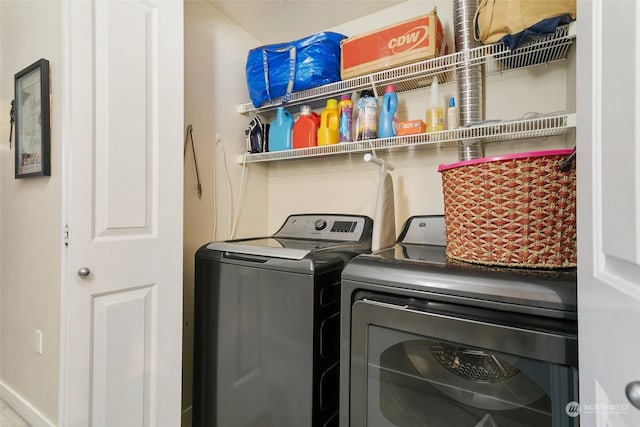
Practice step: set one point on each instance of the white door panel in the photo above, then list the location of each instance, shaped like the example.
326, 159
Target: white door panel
608, 210
124, 102
131, 314
617, 153
126, 137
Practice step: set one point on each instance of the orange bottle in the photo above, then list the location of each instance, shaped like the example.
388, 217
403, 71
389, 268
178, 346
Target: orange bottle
329, 124
305, 129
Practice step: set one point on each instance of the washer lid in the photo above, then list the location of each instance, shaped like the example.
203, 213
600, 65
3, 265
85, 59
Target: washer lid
271, 247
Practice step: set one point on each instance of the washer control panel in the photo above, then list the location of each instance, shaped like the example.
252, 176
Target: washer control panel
323, 227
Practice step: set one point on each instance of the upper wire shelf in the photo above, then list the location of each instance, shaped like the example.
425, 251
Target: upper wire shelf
497, 58
540, 127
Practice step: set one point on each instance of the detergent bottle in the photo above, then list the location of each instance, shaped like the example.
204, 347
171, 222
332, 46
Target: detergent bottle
388, 123
345, 106
435, 113
367, 122
280, 131
305, 129
329, 124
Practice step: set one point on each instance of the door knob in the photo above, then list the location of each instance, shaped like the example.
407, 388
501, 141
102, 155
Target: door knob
84, 272
633, 393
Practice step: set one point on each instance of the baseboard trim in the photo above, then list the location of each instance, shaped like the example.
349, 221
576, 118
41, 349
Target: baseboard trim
23, 408
187, 417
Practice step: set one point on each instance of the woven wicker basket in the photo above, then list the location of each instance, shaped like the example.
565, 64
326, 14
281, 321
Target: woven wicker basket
517, 210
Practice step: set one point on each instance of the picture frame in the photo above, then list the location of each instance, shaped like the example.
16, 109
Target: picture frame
32, 121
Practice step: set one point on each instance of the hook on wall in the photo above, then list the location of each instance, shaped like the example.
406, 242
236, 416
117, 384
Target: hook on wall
188, 136
369, 157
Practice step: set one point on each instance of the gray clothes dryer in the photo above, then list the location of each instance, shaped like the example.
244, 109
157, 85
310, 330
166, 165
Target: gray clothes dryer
431, 342
267, 323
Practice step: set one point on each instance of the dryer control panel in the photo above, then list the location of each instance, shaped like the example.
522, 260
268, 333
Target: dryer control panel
424, 230
331, 227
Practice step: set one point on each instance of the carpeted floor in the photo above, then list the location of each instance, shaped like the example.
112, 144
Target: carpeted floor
8, 418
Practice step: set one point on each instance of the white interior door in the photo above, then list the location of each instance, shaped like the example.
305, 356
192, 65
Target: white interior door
122, 304
608, 112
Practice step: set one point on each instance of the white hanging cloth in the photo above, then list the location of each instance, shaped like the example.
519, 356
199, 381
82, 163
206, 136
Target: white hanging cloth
384, 220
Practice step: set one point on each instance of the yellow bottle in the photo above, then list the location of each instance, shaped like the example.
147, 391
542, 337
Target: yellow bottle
329, 124
435, 112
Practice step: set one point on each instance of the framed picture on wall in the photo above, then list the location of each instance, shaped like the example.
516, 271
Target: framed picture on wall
33, 129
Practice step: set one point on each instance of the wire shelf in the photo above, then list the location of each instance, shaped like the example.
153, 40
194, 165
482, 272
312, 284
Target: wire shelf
540, 127
497, 58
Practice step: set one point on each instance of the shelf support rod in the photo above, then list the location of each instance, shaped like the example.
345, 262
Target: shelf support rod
373, 87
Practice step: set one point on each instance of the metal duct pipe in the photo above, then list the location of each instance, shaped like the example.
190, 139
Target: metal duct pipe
463, 13
469, 77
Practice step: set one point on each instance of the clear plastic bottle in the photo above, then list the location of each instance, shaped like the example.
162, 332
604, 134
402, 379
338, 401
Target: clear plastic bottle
435, 113
367, 116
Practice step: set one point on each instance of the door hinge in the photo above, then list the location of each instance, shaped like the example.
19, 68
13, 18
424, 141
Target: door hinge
65, 235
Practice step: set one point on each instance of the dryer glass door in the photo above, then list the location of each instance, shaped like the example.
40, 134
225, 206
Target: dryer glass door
411, 367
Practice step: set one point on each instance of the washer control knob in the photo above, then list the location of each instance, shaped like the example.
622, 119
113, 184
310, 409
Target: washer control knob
320, 224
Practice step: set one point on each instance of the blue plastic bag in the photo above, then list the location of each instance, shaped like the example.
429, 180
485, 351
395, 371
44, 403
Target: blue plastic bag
277, 70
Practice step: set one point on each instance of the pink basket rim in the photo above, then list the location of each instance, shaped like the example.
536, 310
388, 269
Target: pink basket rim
561, 152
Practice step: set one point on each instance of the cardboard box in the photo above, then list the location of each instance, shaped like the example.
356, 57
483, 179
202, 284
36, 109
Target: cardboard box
411, 127
409, 41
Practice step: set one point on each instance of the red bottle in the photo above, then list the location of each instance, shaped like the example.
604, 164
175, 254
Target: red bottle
305, 129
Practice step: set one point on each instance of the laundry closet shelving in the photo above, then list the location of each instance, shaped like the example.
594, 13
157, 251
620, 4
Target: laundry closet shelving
496, 59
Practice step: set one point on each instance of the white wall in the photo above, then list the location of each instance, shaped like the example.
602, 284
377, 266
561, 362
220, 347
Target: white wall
347, 184
29, 221
215, 52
